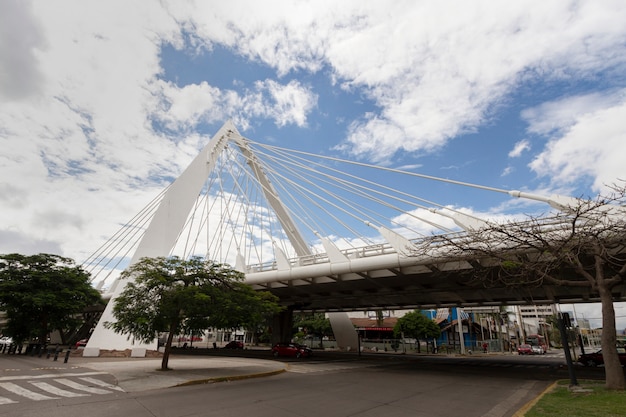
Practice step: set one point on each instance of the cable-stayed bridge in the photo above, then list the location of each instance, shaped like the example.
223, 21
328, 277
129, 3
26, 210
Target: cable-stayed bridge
321, 233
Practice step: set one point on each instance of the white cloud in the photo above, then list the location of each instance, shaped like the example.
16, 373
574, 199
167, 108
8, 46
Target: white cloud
84, 128
433, 74
285, 35
554, 116
12, 241
436, 77
590, 146
87, 84
507, 171
185, 107
288, 103
77, 114
20, 42
519, 148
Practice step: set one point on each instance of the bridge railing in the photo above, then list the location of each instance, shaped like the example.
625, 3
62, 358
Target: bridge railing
441, 241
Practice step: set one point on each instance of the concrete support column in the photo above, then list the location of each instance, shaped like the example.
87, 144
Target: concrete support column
282, 326
345, 334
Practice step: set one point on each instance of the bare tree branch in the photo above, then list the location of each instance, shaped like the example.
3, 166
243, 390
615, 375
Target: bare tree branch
583, 246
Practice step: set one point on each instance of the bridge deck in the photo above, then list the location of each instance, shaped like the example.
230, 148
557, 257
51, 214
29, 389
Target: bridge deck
377, 277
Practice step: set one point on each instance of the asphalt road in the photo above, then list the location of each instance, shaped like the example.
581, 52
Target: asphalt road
331, 385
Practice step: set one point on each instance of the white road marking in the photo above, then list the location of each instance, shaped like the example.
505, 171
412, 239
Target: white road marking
18, 377
75, 388
81, 387
5, 400
102, 383
16, 389
310, 367
44, 386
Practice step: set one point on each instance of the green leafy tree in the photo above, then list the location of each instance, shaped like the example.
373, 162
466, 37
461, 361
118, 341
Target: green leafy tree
173, 295
416, 325
42, 293
315, 324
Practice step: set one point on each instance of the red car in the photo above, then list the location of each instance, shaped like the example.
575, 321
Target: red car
291, 349
235, 344
525, 350
596, 359
190, 339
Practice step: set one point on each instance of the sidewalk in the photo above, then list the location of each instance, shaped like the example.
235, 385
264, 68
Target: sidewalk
140, 374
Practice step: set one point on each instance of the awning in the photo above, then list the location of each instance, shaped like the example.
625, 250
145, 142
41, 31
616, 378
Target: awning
378, 329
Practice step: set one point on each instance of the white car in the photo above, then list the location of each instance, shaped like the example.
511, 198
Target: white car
538, 350
6, 341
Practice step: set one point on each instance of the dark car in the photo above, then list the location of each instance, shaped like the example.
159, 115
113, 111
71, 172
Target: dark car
596, 359
291, 349
235, 344
525, 350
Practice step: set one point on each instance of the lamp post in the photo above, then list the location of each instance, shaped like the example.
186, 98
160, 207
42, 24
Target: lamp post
460, 324
563, 321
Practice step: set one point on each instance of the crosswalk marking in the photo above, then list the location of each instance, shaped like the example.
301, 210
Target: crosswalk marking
16, 389
5, 400
44, 386
80, 387
44, 376
101, 383
55, 388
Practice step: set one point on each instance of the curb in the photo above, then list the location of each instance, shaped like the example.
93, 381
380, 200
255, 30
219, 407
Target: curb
522, 411
228, 378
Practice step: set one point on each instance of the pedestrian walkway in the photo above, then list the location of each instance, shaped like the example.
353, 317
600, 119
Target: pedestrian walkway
26, 378
140, 374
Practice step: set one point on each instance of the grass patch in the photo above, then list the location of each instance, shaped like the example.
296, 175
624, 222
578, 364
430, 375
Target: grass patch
594, 401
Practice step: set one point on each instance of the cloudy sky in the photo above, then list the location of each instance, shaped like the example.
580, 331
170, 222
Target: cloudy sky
104, 103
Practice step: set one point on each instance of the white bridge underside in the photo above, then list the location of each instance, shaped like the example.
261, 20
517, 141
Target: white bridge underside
394, 282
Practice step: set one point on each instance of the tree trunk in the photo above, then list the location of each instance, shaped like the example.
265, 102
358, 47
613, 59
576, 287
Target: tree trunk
43, 331
168, 346
614, 373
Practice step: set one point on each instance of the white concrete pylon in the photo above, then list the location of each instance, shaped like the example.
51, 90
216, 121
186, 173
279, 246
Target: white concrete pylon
161, 235
282, 262
402, 245
332, 251
240, 263
169, 219
464, 221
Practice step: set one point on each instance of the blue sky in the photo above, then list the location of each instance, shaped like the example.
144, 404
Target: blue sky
100, 106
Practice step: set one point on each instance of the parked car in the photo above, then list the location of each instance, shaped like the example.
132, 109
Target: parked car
291, 349
537, 350
6, 341
189, 339
81, 343
596, 359
235, 344
525, 349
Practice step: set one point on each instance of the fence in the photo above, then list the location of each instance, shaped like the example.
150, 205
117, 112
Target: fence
36, 350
